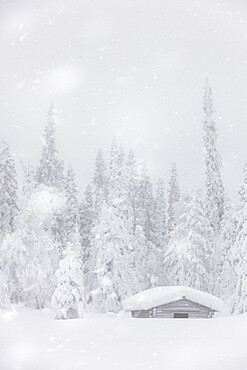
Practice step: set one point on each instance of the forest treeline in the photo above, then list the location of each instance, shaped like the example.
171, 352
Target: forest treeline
123, 235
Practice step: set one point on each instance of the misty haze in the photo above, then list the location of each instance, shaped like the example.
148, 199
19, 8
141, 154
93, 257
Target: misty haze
123, 185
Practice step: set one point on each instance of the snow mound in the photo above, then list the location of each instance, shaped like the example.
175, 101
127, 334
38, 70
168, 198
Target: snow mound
162, 295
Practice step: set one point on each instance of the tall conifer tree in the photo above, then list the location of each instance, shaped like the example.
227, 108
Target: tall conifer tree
188, 255
131, 180
160, 227
225, 279
113, 276
72, 209
240, 250
214, 185
145, 219
29, 182
100, 181
88, 219
145, 203
8, 191
173, 198
50, 170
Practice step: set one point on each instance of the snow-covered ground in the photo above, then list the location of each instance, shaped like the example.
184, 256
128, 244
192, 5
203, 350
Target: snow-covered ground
33, 340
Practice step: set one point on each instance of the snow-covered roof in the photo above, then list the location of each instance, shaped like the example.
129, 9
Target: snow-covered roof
162, 295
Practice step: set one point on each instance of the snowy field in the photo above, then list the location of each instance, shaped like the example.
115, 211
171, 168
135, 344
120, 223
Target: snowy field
31, 340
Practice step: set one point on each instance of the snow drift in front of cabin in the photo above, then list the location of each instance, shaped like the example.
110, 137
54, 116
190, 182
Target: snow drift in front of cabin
31, 339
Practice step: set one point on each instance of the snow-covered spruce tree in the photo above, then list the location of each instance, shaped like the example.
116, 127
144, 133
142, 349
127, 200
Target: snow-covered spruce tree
160, 214
8, 192
29, 255
145, 203
4, 292
87, 216
139, 261
50, 173
68, 297
116, 163
187, 258
118, 191
131, 180
50, 170
87, 219
100, 181
29, 181
140, 217
114, 277
119, 203
72, 208
214, 201
153, 265
240, 305
123, 188
58, 226
225, 283
113, 198
240, 250
160, 227
145, 219
173, 198
66, 219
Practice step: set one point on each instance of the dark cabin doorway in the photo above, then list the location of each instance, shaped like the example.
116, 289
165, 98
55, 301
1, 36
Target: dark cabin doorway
181, 315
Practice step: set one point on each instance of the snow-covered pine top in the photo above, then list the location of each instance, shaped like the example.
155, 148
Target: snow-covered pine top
163, 295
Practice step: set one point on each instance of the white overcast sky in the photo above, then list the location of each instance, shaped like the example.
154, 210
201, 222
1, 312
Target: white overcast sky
131, 69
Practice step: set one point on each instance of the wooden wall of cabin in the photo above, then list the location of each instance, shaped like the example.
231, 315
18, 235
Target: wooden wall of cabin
193, 309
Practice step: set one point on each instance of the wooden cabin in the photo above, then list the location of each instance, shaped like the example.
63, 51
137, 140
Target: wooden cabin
173, 302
